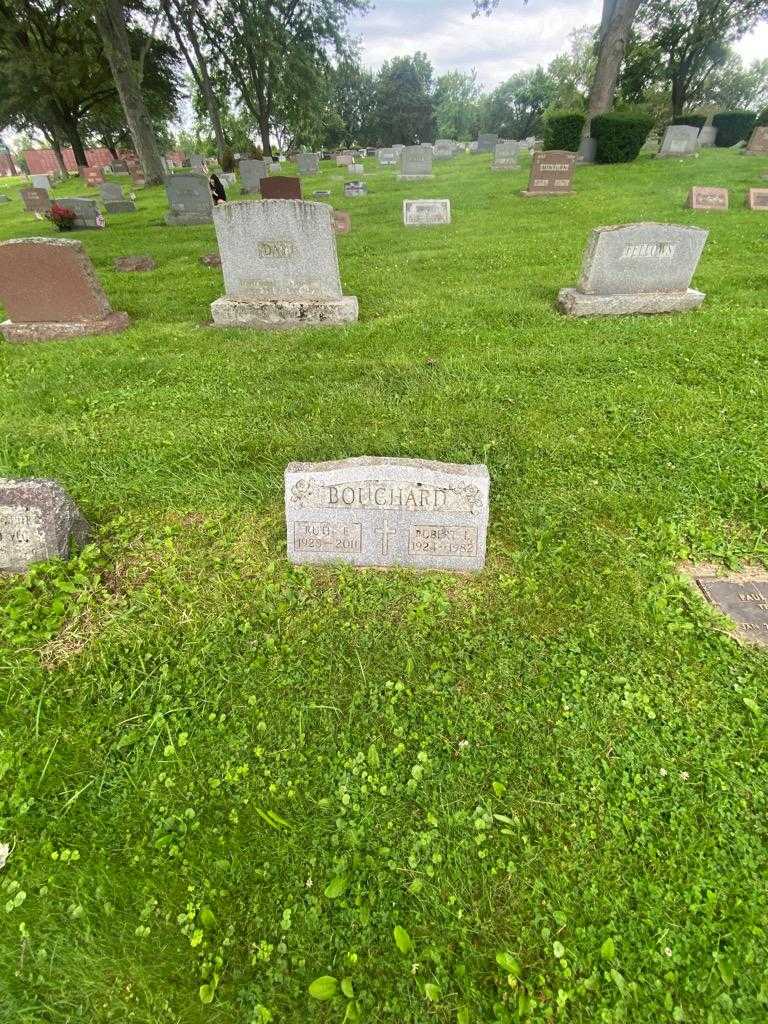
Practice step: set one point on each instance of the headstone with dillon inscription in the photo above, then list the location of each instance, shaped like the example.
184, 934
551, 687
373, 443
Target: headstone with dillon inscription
415, 163
704, 197
423, 212
758, 142
679, 140
189, 199
251, 174
757, 199
49, 290
280, 266
637, 268
387, 512
551, 173
38, 521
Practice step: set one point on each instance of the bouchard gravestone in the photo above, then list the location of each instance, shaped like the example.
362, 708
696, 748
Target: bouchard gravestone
423, 212
551, 173
387, 512
38, 521
280, 266
637, 268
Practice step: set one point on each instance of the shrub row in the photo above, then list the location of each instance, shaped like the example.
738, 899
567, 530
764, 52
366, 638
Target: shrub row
562, 129
733, 126
620, 136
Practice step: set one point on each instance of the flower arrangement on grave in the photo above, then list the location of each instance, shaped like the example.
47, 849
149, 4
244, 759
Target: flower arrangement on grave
61, 216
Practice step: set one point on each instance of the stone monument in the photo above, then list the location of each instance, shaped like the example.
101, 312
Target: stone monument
251, 174
415, 163
36, 200
679, 140
423, 212
505, 157
551, 173
38, 521
308, 163
702, 197
86, 211
758, 142
114, 200
281, 187
189, 199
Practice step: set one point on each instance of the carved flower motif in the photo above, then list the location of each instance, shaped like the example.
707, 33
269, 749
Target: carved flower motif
300, 491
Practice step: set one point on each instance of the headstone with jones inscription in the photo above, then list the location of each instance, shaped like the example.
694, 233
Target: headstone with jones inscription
637, 268
704, 197
38, 521
49, 290
424, 212
387, 512
189, 199
551, 173
280, 266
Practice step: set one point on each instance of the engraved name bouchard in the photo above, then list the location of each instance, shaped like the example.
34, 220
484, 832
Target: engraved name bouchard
386, 494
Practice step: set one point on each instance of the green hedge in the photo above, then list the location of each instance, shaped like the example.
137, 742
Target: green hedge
695, 120
562, 129
733, 126
620, 137
762, 118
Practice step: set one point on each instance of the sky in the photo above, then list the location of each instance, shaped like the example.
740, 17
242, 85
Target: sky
516, 37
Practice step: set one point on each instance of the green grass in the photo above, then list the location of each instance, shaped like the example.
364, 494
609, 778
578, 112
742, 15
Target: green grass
552, 776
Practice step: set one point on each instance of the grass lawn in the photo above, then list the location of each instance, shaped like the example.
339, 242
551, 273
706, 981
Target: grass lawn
539, 793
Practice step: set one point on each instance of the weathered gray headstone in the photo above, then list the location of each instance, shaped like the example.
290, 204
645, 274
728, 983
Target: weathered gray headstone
308, 163
38, 521
114, 200
423, 212
415, 163
355, 189
505, 157
551, 173
702, 197
587, 151
197, 163
444, 149
758, 142
486, 143
251, 173
757, 199
744, 599
40, 181
386, 157
707, 135
387, 512
342, 222
49, 290
344, 159
36, 200
679, 140
189, 199
637, 268
87, 214
280, 266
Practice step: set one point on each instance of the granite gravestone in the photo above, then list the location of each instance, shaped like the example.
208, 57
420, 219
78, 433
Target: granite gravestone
387, 512
342, 222
757, 199
355, 189
114, 200
49, 290
551, 173
587, 151
702, 197
273, 167
280, 266
637, 268
86, 212
357, 169
40, 181
679, 140
251, 174
707, 136
444, 149
93, 176
505, 157
281, 187
758, 142
189, 199
486, 143
415, 163
137, 176
386, 157
743, 599
36, 200
38, 521
308, 163
344, 159
197, 163
423, 212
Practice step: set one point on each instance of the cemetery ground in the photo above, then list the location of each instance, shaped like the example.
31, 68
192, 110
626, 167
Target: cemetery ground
537, 793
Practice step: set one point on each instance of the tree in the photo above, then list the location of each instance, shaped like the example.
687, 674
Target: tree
572, 72
111, 23
516, 108
404, 110
690, 40
457, 105
351, 95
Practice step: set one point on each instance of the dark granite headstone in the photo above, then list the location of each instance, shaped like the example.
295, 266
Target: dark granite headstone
745, 601
280, 186
551, 173
36, 200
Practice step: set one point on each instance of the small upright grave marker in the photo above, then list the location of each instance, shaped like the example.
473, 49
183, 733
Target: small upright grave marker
40, 181
189, 199
505, 157
386, 157
423, 212
49, 290
551, 173
486, 143
114, 200
86, 212
707, 136
415, 163
342, 222
758, 142
355, 189
308, 163
702, 197
637, 268
387, 512
93, 176
281, 187
36, 200
251, 174
679, 140
38, 521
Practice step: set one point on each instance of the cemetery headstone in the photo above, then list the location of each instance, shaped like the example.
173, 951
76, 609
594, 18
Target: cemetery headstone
551, 173
707, 135
743, 598
49, 289
487, 143
197, 163
86, 212
587, 151
189, 199
342, 222
36, 200
702, 197
356, 169
280, 266
758, 142
251, 174
114, 200
387, 512
119, 167
273, 167
281, 187
134, 264
679, 140
444, 149
757, 199
386, 157
40, 181
38, 521
424, 212
415, 163
344, 159
355, 189
308, 163
637, 268
93, 176
137, 176
398, 148
505, 157
228, 178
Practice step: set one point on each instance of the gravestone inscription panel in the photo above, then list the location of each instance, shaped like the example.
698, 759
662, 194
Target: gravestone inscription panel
704, 197
757, 199
423, 212
38, 521
551, 173
744, 600
189, 199
387, 512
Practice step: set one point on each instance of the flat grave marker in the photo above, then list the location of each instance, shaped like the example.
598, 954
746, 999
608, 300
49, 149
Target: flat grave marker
757, 199
704, 197
425, 212
38, 521
742, 597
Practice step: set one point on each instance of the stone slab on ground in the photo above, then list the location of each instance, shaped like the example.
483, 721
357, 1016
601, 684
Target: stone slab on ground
38, 521
705, 197
388, 512
757, 199
134, 264
741, 596
423, 212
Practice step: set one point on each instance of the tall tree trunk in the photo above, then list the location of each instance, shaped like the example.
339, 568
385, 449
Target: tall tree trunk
110, 20
266, 145
51, 136
615, 27
71, 132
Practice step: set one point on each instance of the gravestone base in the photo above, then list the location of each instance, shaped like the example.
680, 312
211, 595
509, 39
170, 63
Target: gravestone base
505, 167
120, 206
572, 302
52, 331
546, 195
280, 315
175, 220
414, 177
